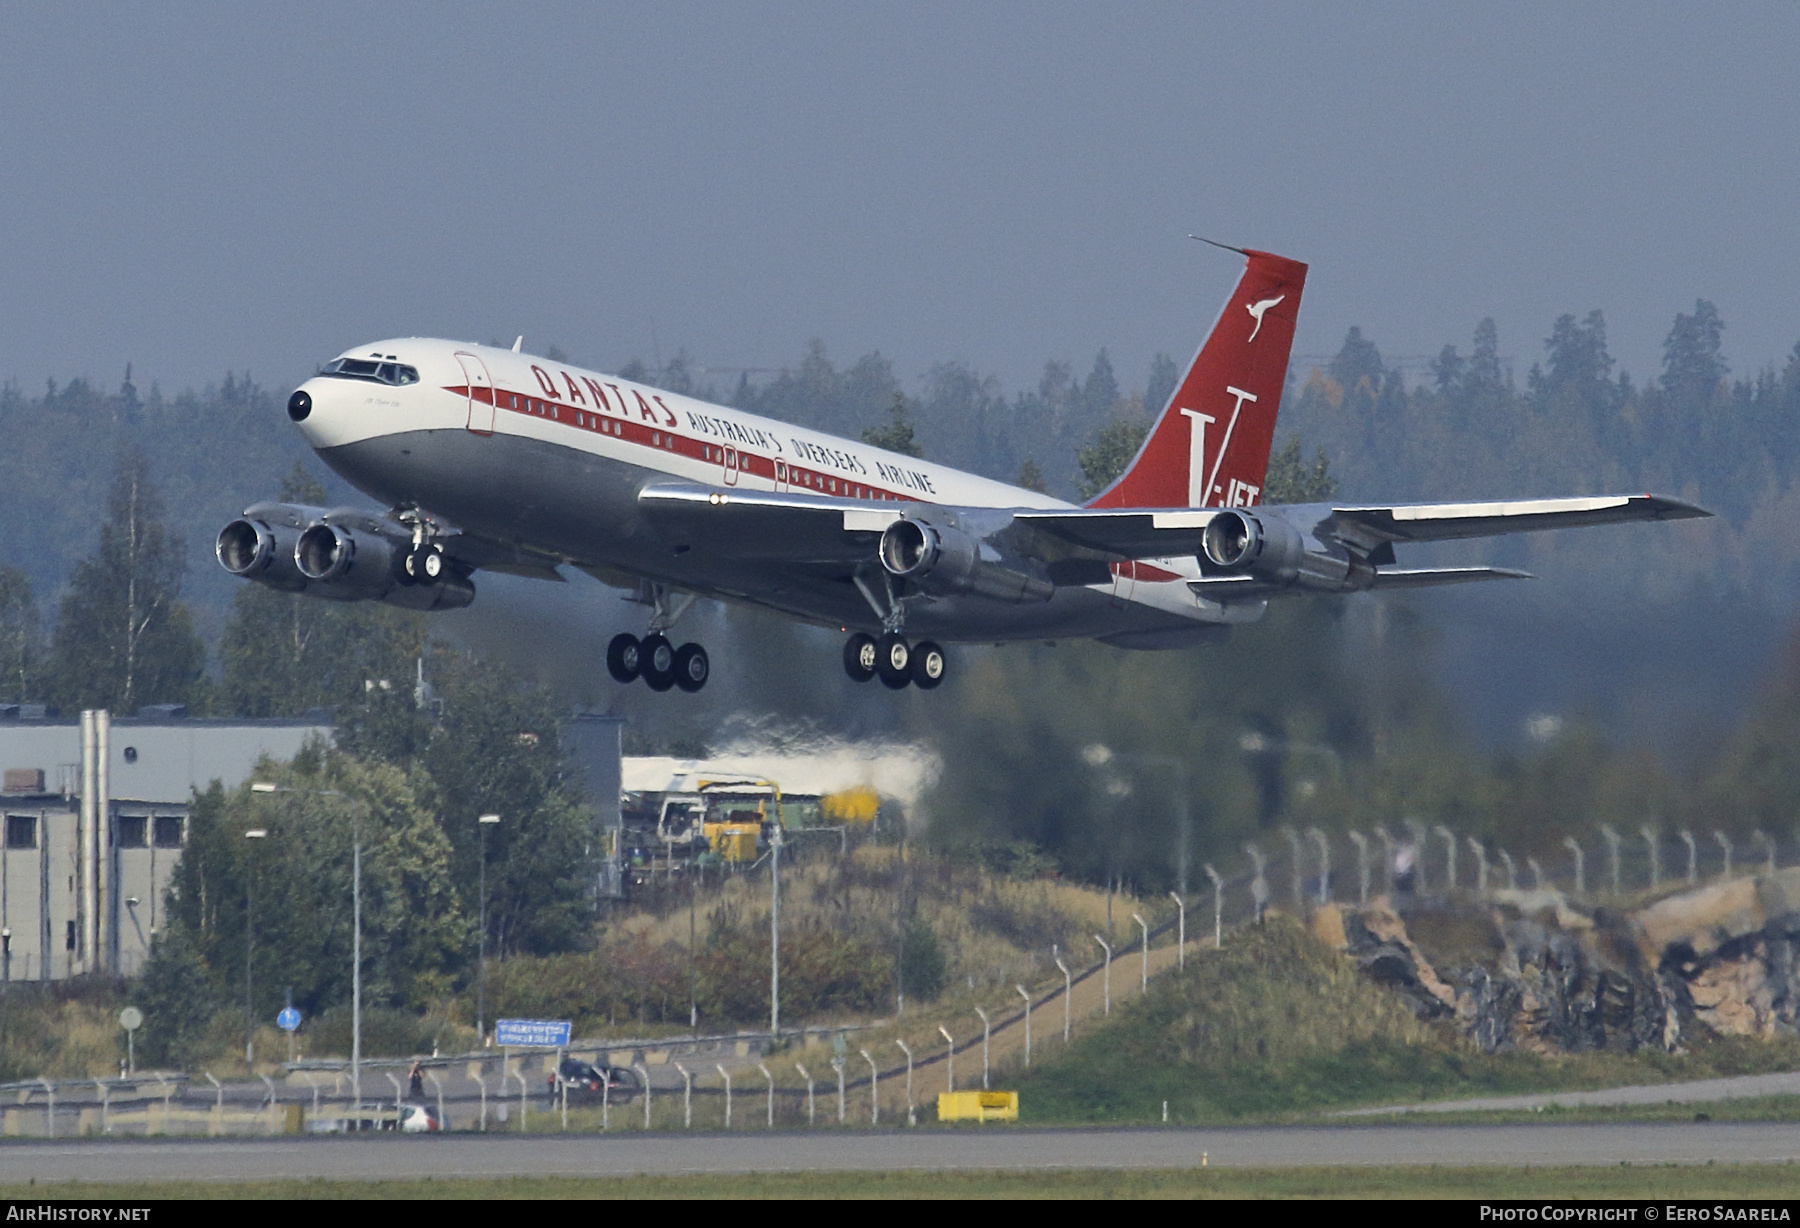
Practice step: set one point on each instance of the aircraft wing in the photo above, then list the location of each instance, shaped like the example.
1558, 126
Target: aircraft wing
791, 527
1430, 522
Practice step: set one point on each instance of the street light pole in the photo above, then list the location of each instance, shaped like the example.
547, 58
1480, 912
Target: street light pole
255, 833
482, 824
775, 934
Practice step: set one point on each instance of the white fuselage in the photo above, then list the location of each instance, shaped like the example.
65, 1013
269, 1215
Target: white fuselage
544, 454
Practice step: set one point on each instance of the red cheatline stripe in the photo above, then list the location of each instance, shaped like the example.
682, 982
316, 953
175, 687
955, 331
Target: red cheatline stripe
655, 435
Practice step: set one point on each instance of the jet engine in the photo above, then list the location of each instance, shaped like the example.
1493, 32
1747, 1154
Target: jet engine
947, 559
255, 549
1266, 546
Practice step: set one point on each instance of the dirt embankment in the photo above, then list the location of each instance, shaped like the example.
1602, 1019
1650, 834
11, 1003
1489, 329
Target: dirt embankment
1536, 971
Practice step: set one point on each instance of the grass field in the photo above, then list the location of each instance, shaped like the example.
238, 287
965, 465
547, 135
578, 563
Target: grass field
1635, 1181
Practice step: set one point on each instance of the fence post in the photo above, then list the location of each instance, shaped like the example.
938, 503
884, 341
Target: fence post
687, 1097
1319, 838
1293, 839
1387, 856
1068, 992
874, 1089
1027, 998
1724, 843
986, 1031
837, 1064
950, 1060
1449, 854
1537, 873
50, 1107
1480, 851
726, 1075
1362, 865
437, 1086
1180, 939
1687, 838
1218, 906
1512, 876
810, 1118
644, 1074
1653, 844
1106, 976
771, 1078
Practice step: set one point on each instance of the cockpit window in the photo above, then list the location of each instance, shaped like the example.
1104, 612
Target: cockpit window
367, 368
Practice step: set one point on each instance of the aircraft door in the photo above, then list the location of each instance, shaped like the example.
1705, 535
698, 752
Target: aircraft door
731, 466
781, 474
481, 393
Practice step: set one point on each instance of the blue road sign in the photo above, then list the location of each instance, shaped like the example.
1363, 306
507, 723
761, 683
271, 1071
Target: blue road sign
288, 1019
549, 1033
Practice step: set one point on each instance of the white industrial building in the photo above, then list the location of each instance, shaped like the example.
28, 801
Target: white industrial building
95, 818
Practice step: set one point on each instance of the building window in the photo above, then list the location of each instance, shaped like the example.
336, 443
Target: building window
69, 937
21, 831
168, 831
134, 831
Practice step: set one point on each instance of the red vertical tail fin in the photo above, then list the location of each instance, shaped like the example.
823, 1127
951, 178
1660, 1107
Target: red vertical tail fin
1210, 446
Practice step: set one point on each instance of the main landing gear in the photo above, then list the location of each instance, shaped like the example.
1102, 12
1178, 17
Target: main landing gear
658, 662
894, 661
654, 659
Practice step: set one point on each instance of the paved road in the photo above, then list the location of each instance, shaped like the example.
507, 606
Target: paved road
1695, 1091
496, 1155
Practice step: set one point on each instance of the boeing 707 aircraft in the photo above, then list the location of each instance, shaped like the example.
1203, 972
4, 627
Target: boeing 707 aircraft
492, 459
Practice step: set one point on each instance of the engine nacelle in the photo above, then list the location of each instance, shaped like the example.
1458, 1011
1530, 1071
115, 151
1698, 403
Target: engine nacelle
355, 564
945, 559
1267, 547
255, 549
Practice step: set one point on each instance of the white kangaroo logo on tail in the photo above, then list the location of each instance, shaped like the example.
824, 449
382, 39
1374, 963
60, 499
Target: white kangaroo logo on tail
1256, 312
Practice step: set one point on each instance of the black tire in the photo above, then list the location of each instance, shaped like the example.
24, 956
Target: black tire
692, 667
624, 657
657, 664
892, 657
402, 568
928, 665
859, 657
425, 564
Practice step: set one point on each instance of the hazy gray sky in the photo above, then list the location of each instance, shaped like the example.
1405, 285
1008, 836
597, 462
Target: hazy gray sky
200, 187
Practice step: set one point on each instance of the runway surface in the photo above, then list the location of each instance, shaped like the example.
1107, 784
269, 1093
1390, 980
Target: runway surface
621, 1155
1694, 1091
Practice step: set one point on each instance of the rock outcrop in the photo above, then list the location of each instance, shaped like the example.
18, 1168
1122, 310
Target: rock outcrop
1535, 970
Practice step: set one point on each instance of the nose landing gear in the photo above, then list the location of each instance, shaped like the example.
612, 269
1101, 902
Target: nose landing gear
897, 663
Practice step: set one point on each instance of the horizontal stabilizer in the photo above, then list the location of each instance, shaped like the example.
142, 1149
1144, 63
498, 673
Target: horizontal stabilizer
1425, 577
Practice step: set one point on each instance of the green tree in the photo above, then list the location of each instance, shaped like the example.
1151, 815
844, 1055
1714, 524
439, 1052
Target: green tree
298, 881
1111, 449
123, 637
897, 434
497, 750
20, 638
1164, 377
1031, 477
922, 962
1692, 363
178, 998
1291, 480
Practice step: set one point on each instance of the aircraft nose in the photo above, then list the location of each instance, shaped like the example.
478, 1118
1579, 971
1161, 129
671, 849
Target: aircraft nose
300, 405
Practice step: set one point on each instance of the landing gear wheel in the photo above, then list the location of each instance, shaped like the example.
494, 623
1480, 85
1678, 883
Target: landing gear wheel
892, 656
657, 664
624, 657
692, 668
928, 665
859, 657
425, 564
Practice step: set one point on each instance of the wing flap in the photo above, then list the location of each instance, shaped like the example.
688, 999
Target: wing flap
1426, 577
